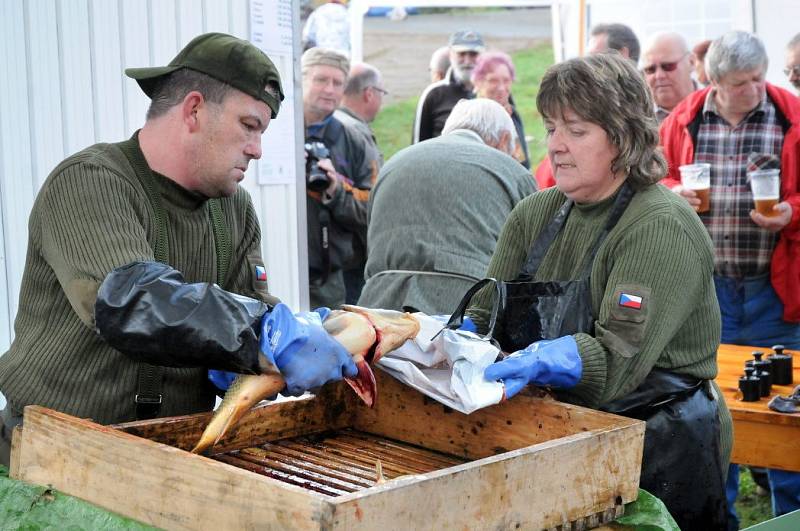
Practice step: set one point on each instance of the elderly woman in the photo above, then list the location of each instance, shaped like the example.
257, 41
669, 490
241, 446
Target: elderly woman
492, 78
609, 292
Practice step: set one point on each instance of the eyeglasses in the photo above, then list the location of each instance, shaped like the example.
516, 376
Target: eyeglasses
793, 70
382, 91
666, 67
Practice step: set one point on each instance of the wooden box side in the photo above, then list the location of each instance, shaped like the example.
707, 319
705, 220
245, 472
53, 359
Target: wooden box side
405, 414
154, 483
328, 410
547, 485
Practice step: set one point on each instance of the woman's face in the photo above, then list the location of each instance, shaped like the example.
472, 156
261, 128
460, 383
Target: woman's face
581, 155
495, 85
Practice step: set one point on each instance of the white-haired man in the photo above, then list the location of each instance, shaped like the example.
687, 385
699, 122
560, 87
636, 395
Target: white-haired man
428, 242
438, 99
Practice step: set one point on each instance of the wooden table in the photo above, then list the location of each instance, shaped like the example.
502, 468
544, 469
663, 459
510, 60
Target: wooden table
761, 437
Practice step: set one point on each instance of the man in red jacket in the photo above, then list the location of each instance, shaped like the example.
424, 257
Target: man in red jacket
742, 121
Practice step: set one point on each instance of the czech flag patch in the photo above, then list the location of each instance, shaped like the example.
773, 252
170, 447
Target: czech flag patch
626, 300
261, 273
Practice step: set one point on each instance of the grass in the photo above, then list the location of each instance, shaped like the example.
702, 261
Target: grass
394, 123
751, 508
393, 131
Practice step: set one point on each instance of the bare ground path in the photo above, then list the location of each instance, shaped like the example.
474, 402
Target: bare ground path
401, 49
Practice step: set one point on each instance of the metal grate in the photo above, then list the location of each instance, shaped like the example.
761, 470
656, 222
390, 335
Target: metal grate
339, 462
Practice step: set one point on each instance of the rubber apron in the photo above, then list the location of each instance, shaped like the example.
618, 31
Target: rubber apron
681, 463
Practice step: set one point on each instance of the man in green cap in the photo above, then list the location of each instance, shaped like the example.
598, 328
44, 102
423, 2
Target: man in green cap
144, 269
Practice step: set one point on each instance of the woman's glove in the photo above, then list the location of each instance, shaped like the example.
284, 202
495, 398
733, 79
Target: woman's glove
553, 362
303, 351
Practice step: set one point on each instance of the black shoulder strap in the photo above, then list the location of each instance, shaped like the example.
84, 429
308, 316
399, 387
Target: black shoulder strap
148, 397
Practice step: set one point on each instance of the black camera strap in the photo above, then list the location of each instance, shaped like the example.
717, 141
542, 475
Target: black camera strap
325, 244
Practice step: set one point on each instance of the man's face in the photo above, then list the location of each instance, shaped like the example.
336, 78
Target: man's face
740, 92
229, 137
375, 101
463, 63
323, 88
668, 69
793, 66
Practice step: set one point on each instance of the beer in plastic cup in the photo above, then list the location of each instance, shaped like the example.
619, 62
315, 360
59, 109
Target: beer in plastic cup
765, 185
697, 177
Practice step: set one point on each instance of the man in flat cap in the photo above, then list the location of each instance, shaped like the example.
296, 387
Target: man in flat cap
439, 98
144, 268
336, 206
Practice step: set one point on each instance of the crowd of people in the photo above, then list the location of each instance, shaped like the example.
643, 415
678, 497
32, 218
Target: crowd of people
619, 288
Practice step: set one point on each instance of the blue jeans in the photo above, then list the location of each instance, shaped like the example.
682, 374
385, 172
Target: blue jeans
752, 314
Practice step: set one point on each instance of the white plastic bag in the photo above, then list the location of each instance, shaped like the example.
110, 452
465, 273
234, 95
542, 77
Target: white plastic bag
446, 366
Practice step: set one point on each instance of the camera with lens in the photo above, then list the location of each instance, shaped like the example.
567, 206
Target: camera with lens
317, 179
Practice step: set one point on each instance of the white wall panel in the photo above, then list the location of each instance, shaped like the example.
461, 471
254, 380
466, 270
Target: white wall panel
46, 125
76, 74
16, 172
63, 88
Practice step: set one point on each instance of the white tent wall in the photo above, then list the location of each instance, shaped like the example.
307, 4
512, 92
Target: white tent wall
63, 89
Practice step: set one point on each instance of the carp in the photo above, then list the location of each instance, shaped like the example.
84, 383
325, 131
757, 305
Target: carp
366, 334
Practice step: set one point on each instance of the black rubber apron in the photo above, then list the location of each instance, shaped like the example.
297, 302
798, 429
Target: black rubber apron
681, 464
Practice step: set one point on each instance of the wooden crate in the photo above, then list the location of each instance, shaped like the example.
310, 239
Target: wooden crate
530, 463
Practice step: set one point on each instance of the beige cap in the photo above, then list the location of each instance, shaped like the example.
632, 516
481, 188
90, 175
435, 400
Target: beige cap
325, 56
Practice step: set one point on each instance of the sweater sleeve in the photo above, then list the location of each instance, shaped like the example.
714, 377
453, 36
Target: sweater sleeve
658, 308
92, 222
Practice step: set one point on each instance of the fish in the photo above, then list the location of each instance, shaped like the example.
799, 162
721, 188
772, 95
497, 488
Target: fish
366, 334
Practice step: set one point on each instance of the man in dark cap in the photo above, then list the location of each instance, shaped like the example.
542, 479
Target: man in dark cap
144, 268
439, 98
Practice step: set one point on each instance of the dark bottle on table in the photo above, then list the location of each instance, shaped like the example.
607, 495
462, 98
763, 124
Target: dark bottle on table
782, 366
763, 368
750, 385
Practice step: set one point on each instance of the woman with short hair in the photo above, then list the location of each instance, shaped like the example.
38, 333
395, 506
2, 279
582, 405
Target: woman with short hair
492, 78
609, 293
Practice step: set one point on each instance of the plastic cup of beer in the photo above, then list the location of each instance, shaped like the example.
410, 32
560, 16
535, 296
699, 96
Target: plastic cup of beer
765, 185
697, 177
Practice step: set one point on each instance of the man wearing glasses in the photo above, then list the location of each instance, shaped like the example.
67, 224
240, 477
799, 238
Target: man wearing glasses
792, 69
667, 65
363, 97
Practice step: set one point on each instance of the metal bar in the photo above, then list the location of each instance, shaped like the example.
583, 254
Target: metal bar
302, 470
350, 480
343, 468
288, 478
445, 459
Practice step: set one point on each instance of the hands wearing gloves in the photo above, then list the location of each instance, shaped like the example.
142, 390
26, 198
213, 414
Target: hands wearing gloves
553, 362
305, 354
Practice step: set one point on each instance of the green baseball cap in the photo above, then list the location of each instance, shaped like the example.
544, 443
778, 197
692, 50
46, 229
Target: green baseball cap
225, 58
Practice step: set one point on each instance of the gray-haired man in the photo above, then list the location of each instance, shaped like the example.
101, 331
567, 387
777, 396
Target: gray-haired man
438, 208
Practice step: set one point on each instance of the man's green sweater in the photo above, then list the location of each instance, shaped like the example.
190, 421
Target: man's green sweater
659, 251
91, 216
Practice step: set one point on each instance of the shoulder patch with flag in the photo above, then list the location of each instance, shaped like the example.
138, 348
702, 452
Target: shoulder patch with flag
628, 300
261, 273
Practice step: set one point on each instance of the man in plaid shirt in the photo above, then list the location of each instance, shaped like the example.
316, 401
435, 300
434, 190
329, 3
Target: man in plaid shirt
740, 120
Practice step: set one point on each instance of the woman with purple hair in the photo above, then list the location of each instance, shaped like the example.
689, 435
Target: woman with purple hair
492, 78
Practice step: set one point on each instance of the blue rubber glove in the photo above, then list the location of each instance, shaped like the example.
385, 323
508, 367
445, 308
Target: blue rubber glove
553, 362
223, 379
468, 325
303, 351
